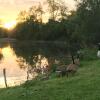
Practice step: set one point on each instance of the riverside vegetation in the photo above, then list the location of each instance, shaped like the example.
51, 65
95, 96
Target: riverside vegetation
79, 27
84, 85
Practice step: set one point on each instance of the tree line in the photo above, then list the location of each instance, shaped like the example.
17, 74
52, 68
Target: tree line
78, 26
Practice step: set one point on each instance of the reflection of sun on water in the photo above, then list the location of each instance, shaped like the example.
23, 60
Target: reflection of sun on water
15, 75
7, 52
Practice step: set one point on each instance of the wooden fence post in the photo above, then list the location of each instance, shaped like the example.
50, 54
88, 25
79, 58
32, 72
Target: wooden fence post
27, 75
5, 80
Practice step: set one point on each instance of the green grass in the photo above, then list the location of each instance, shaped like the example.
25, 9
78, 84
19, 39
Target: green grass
84, 85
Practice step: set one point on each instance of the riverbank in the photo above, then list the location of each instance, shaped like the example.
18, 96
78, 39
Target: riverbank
84, 85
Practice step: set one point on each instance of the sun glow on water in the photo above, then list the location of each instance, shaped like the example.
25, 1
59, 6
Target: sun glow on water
15, 75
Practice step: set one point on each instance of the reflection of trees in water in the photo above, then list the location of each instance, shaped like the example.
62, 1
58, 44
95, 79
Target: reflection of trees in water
32, 56
26, 66
46, 49
1, 56
40, 65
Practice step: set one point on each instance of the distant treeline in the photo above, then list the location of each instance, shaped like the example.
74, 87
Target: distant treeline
79, 26
3, 32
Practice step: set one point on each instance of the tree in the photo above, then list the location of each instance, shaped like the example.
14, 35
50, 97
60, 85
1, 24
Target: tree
53, 9
88, 12
35, 13
22, 16
63, 10
40, 13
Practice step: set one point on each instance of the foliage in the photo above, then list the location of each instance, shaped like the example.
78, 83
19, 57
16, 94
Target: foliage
80, 26
88, 13
60, 26
3, 33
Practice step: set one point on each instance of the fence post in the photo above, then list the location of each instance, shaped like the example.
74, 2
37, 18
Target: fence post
5, 80
27, 75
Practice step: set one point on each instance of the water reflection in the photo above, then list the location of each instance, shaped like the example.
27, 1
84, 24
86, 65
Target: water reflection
14, 73
23, 61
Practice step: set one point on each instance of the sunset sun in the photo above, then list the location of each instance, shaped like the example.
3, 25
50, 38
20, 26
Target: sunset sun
9, 25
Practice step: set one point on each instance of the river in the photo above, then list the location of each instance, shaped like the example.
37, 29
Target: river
19, 57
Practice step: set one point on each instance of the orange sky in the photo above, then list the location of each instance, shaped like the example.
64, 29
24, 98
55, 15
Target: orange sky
9, 9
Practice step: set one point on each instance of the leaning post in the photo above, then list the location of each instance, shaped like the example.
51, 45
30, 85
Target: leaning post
5, 79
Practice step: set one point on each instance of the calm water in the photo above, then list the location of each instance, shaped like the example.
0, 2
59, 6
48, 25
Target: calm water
19, 59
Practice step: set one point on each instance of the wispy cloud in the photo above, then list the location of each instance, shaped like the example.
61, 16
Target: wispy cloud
17, 2
6, 2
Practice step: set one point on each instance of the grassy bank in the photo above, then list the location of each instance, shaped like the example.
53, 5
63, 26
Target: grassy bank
85, 85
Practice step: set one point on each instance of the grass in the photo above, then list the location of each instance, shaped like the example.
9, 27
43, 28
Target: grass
85, 85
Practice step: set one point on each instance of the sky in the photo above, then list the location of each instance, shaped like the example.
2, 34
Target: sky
9, 9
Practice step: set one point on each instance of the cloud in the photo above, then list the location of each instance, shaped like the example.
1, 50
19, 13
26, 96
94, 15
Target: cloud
16, 2
19, 2
6, 2
11, 5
